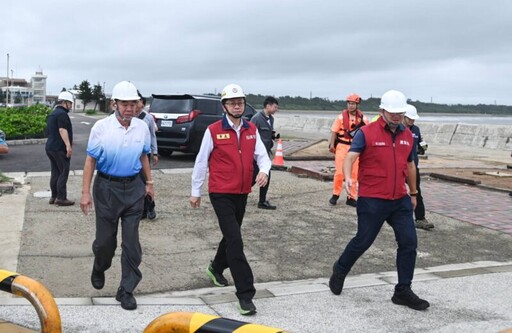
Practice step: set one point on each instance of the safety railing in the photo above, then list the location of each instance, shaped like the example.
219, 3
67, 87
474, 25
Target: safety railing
188, 322
37, 295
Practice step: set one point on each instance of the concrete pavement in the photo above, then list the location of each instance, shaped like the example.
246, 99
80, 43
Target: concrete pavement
463, 269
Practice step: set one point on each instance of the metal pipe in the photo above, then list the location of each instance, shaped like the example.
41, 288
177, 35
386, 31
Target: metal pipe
37, 295
187, 322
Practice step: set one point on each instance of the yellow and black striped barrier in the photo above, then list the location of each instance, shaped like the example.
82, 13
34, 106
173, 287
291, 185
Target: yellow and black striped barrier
37, 295
187, 322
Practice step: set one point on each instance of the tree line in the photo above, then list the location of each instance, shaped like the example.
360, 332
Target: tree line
88, 93
372, 104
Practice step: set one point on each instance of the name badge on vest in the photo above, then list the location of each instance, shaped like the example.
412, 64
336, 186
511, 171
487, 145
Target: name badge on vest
223, 136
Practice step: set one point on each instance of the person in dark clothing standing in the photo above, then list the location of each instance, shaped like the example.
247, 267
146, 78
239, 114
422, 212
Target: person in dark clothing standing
264, 121
59, 148
228, 150
418, 148
384, 149
149, 204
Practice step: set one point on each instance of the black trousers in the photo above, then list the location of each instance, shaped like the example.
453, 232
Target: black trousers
264, 189
59, 173
230, 210
419, 211
114, 201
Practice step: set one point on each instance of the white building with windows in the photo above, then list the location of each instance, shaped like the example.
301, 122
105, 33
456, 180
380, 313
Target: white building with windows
21, 92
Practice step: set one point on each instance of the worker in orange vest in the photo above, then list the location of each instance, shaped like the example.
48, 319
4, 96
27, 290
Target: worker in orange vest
343, 129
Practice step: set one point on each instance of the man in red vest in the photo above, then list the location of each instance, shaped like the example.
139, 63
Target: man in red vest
384, 148
228, 149
343, 129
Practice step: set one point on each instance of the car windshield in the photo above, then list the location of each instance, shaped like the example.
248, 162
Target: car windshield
175, 105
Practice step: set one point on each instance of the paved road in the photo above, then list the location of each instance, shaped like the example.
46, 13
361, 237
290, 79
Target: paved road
32, 157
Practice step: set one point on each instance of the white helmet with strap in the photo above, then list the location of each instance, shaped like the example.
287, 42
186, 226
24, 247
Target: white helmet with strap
232, 91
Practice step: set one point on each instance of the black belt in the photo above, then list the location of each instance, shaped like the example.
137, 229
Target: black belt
117, 179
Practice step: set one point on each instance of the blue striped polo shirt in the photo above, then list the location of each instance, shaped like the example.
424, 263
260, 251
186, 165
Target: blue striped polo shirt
117, 149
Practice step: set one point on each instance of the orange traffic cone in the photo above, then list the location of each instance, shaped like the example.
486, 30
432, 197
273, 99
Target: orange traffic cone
278, 158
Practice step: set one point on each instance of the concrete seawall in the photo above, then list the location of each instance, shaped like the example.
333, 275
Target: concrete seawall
482, 136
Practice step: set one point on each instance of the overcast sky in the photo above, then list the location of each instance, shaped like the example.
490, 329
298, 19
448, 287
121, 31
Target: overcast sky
445, 51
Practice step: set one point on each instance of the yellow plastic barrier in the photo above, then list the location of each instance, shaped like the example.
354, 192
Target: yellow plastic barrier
37, 295
187, 322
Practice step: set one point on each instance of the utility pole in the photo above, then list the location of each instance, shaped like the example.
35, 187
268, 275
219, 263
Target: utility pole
7, 87
105, 97
12, 77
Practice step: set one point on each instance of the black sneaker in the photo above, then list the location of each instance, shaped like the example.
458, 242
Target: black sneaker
351, 202
127, 300
97, 279
334, 199
405, 296
424, 224
217, 278
336, 281
246, 307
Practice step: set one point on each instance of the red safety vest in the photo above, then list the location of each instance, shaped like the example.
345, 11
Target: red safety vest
383, 163
231, 160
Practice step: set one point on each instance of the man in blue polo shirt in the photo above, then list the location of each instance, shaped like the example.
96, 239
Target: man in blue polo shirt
117, 148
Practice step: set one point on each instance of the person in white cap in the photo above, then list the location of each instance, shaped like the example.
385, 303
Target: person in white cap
228, 149
419, 147
59, 148
384, 148
118, 147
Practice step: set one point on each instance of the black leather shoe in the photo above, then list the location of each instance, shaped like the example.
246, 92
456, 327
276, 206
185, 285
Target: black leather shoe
265, 205
65, 202
351, 202
97, 279
127, 300
334, 199
151, 214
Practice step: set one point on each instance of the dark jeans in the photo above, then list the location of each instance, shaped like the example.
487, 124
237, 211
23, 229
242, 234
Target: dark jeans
419, 211
59, 173
371, 215
114, 201
264, 189
230, 210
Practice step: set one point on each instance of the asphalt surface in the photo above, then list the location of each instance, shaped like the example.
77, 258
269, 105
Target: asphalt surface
463, 269
32, 157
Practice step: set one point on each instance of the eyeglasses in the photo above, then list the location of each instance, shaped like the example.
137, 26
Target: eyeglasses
235, 104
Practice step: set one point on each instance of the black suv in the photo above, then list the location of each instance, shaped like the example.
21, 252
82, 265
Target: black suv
183, 119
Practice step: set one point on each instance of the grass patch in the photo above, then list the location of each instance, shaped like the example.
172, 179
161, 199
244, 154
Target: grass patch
4, 178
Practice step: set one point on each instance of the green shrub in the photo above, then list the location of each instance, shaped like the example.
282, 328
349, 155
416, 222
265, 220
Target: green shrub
90, 112
24, 123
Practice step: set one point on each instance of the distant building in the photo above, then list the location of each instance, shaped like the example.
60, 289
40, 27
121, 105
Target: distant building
22, 92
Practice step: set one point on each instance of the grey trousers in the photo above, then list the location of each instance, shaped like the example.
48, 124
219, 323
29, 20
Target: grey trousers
114, 201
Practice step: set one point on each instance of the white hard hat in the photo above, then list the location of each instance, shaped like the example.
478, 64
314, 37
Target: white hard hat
393, 101
411, 112
125, 91
232, 91
66, 96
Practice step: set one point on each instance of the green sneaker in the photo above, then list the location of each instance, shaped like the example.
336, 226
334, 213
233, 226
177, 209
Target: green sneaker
247, 308
217, 278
